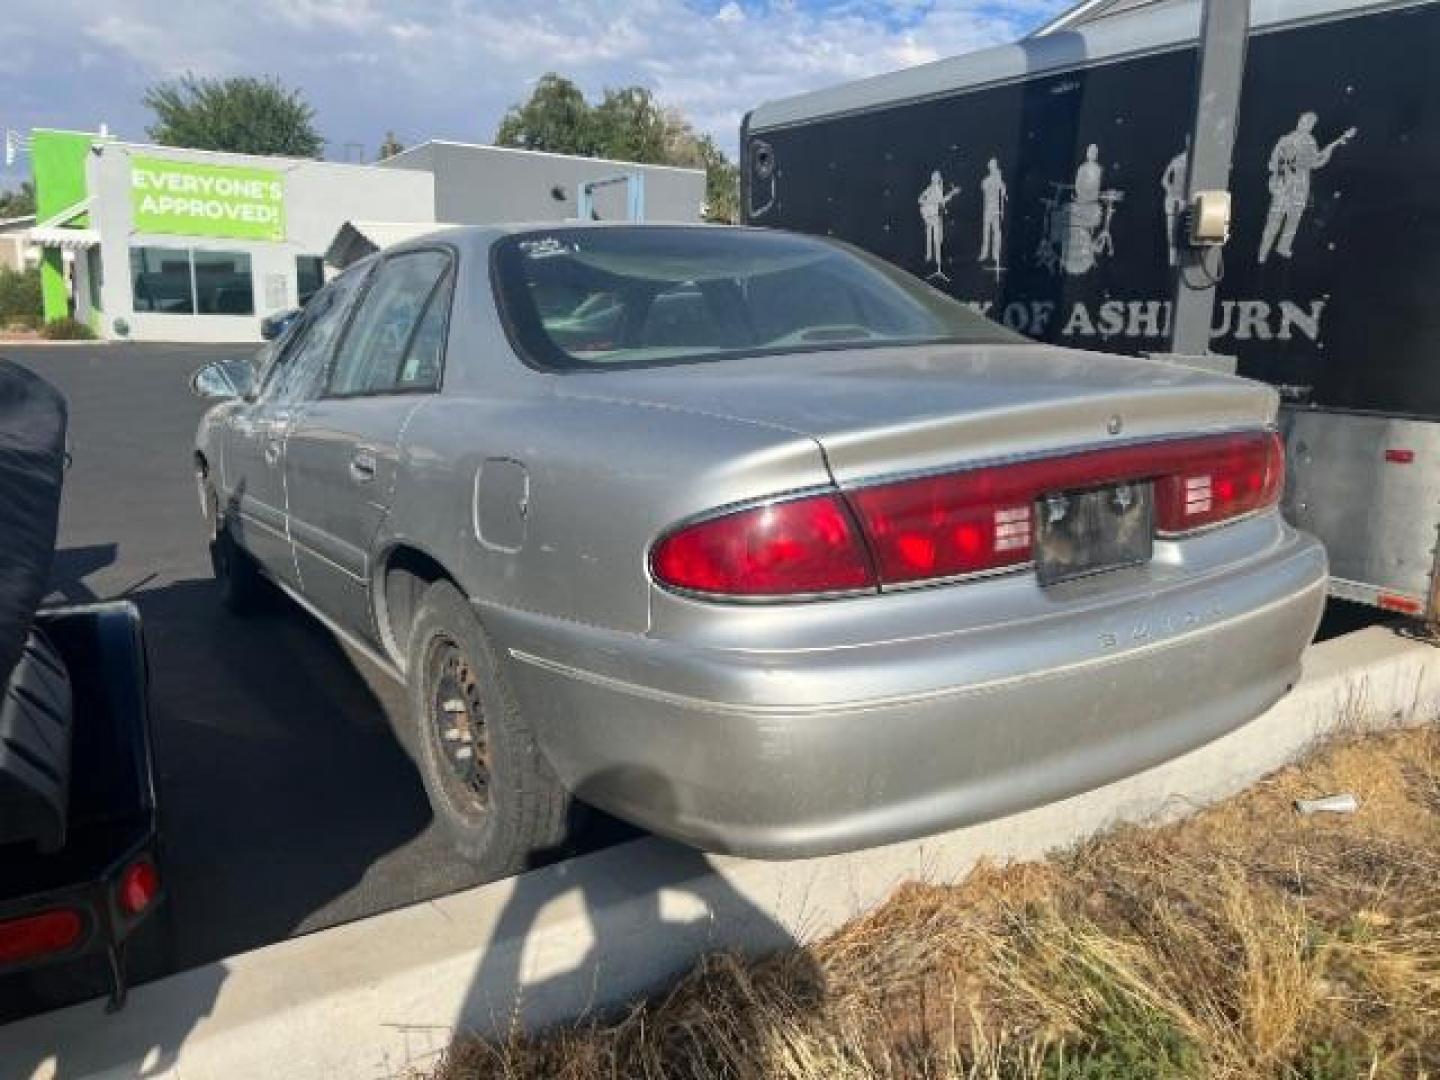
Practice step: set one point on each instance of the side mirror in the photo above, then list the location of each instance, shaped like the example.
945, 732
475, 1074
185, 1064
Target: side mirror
272, 326
223, 380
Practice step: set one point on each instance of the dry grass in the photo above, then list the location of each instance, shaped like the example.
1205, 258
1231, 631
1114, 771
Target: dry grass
1245, 942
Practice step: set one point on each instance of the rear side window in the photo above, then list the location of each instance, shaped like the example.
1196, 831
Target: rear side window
396, 338
425, 359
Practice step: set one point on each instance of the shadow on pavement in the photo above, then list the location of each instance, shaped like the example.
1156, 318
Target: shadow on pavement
651, 906
281, 788
70, 568
280, 778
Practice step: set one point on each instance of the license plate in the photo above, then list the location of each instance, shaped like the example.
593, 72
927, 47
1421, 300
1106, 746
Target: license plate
1087, 532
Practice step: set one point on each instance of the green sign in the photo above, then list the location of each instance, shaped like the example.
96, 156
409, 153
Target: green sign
183, 198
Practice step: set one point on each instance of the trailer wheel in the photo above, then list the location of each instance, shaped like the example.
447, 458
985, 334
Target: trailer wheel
489, 785
243, 589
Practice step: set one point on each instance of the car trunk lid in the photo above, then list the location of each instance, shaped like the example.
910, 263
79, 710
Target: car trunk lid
879, 411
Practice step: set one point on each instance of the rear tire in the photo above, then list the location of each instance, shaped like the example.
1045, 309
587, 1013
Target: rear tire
243, 589
499, 803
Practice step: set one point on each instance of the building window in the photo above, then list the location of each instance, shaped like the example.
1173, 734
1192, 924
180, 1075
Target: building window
161, 282
94, 275
309, 276
223, 285
178, 281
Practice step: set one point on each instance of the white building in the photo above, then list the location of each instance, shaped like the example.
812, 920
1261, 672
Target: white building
198, 246
164, 244
16, 250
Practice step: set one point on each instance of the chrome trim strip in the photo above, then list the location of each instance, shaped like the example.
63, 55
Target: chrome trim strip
385, 666
251, 519
301, 546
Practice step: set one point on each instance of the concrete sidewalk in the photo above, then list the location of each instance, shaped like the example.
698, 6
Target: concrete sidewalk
384, 995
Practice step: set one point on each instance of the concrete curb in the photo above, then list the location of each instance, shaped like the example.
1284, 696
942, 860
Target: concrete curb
383, 996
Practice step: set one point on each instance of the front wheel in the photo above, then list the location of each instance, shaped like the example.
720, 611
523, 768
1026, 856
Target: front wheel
488, 782
243, 589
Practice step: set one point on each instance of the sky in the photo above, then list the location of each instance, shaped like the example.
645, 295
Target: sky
449, 68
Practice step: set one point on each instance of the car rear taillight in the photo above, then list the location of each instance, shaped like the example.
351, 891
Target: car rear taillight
1220, 479
803, 546
944, 526
48, 933
955, 524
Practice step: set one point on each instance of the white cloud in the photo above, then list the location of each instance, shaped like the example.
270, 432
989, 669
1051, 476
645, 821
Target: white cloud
449, 68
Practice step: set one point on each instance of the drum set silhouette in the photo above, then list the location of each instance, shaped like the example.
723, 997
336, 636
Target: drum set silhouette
1076, 232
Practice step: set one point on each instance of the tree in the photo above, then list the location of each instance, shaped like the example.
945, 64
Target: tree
18, 203
555, 119
722, 176
243, 115
390, 147
628, 124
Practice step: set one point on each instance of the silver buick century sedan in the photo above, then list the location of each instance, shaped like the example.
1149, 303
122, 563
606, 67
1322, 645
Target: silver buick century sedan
750, 538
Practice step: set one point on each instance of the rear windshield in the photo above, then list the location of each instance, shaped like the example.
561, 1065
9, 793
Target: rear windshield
583, 298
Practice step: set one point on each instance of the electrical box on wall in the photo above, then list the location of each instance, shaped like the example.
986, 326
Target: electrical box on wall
1209, 219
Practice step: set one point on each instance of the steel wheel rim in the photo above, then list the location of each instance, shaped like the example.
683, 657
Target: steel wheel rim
456, 728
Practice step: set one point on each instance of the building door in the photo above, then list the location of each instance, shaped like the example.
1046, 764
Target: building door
343, 452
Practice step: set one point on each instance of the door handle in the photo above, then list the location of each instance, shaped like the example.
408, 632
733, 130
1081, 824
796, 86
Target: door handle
362, 465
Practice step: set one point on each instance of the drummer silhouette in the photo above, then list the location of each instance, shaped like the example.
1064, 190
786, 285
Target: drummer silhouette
1077, 229
1088, 177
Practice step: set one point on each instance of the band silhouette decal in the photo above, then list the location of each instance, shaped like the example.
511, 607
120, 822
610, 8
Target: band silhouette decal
1295, 157
933, 201
1077, 220
1172, 186
994, 196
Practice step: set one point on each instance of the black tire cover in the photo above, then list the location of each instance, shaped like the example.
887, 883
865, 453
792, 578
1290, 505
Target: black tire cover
35, 741
32, 467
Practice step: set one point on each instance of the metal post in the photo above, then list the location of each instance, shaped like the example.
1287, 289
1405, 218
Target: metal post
1224, 28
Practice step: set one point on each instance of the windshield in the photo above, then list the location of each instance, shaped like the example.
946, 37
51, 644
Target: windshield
581, 298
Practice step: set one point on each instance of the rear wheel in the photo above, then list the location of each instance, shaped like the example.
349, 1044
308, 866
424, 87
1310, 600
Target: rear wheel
243, 589
489, 785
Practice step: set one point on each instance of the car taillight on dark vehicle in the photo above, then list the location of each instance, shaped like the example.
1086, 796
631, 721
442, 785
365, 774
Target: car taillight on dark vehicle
960, 523
46, 933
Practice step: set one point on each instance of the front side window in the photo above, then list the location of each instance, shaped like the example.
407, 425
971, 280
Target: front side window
588, 298
370, 359
299, 371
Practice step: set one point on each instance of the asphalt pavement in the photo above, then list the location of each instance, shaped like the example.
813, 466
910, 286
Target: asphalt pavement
287, 803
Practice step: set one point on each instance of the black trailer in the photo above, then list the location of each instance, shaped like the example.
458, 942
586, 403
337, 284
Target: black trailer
79, 865
1042, 183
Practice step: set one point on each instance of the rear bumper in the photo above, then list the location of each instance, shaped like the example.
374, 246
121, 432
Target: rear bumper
808, 751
